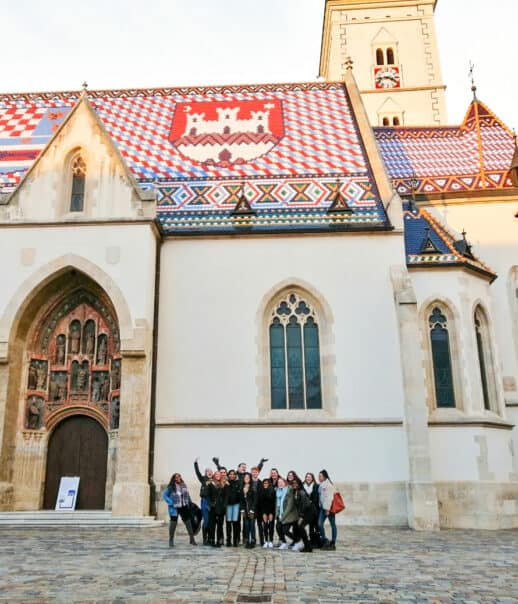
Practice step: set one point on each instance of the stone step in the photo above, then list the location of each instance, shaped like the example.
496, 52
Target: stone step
77, 518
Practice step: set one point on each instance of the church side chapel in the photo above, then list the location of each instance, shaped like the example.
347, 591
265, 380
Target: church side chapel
324, 274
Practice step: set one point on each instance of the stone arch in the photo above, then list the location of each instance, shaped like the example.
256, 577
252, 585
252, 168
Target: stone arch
23, 443
43, 276
327, 352
453, 320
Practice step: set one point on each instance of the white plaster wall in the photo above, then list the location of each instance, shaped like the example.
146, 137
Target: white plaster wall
211, 292
26, 251
374, 454
456, 453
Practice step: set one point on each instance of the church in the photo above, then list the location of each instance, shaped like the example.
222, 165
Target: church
324, 274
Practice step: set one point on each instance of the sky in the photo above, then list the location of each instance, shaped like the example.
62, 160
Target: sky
58, 44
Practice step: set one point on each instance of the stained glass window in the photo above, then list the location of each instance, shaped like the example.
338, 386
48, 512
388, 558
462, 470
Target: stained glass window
479, 327
441, 359
295, 355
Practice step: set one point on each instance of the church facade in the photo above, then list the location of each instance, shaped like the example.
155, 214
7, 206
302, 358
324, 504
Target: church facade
323, 274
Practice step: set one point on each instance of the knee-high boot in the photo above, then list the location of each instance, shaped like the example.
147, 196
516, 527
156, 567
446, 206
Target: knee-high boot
271, 527
172, 531
236, 532
205, 532
228, 530
188, 526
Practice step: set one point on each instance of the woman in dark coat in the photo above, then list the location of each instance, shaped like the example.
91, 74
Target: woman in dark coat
307, 513
249, 508
217, 499
204, 479
266, 512
233, 524
310, 485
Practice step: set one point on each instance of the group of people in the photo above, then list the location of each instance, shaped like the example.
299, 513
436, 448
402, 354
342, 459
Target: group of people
249, 507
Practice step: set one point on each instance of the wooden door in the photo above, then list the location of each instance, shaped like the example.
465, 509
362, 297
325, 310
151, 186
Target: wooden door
78, 447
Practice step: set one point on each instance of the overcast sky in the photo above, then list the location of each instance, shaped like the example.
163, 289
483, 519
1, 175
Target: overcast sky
55, 45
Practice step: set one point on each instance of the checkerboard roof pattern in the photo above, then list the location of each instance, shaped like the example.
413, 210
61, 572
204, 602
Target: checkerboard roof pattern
474, 156
290, 170
429, 243
140, 123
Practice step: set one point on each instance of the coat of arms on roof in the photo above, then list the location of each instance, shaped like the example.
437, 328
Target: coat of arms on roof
229, 132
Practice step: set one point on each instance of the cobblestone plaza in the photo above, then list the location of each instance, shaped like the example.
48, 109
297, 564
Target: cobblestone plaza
130, 566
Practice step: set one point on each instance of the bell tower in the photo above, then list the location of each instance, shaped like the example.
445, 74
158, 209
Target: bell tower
396, 59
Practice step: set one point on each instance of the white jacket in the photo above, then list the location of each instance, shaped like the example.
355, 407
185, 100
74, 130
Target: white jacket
326, 490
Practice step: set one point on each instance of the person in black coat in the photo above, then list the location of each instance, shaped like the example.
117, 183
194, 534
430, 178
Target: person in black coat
310, 485
217, 492
307, 513
204, 479
266, 512
249, 508
233, 524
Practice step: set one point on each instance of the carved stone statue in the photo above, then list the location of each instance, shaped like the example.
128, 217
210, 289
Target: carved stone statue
75, 337
33, 376
60, 350
34, 413
90, 343
58, 388
105, 390
41, 371
115, 414
96, 391
101, 351
116, 376
82, 378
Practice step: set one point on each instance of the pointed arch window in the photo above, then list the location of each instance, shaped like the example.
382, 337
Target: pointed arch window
481, 334
380, 57
295, 355
441, 358
77, 195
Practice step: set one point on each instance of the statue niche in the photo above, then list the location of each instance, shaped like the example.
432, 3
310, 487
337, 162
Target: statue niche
100, 386
102, 349
34, 416
61, 345
37, 375
80, 376
74, 337
58, 386
89, 338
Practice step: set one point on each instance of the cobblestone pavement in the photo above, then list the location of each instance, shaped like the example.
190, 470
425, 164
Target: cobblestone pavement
129, 566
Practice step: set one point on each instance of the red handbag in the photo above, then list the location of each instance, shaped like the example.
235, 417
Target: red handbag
338, 504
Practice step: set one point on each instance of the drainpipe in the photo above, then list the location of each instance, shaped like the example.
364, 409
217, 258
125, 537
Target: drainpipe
152, 418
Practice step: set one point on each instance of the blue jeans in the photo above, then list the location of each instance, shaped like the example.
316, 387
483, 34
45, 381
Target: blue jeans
233, 512
205, 512
321, 519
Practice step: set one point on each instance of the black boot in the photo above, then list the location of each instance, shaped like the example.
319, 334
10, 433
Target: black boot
205, 536
228, 529
172, 531
188, 526
236, 533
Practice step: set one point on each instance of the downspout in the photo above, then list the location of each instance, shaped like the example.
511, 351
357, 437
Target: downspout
152, 417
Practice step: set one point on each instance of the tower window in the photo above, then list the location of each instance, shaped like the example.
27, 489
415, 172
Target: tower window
395, 121
77, 196
390, 56
380, 58
386, 121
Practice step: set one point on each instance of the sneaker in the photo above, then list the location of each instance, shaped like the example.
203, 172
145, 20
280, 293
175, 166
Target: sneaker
297, 547
284, 546
269, 545
266, 546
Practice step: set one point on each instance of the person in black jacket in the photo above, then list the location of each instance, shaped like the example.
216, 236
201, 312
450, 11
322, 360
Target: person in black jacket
307, 513
249, 507
310, 485
217, 498
204, 479
241, 468
233, 511
266, 512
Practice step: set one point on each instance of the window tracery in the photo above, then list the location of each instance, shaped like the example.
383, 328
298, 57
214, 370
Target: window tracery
295, 355
441, 358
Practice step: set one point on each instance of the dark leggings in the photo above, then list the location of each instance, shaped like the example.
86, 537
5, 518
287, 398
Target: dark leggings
216, 527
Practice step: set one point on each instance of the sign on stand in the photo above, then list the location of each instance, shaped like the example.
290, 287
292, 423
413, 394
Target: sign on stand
67, 494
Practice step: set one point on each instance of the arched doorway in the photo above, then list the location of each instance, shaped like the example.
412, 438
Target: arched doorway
78, 446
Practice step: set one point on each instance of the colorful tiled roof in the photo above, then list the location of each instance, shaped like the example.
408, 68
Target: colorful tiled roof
286, 148
429, 243
474, 156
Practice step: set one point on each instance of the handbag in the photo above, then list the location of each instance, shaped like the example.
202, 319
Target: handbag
338, 504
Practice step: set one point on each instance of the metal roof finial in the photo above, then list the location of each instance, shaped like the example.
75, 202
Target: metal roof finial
472, 77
